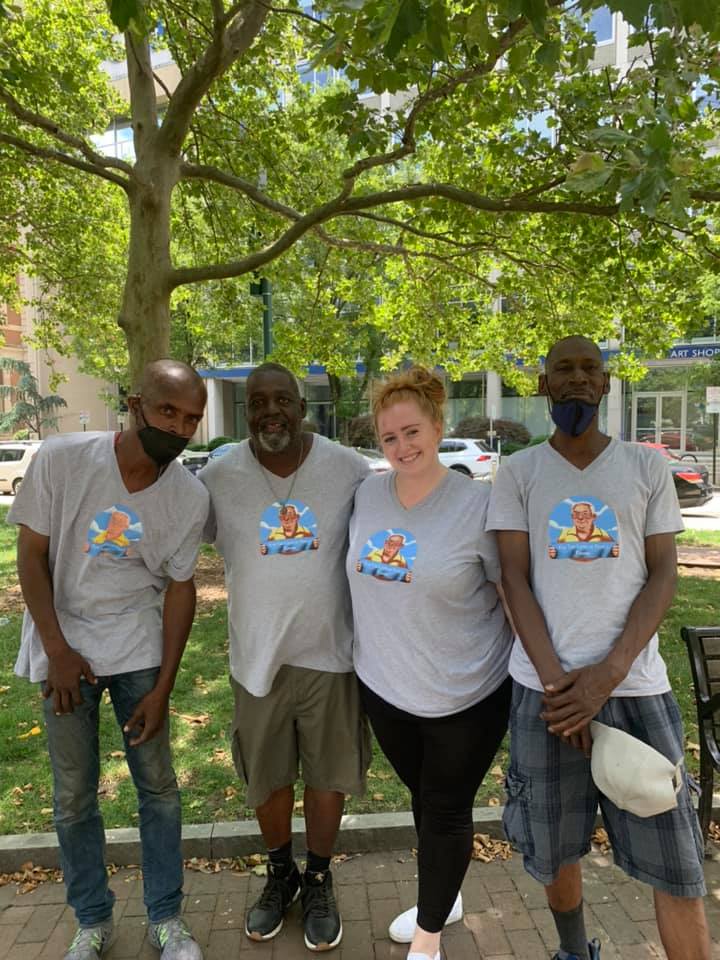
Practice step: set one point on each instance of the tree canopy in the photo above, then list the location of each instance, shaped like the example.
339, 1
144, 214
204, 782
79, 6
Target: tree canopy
499, 162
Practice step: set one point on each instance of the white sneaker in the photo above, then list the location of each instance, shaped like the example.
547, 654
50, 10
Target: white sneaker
422, 956
402, 929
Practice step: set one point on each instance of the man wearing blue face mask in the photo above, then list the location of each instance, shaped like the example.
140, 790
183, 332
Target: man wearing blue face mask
586, 530
110, 528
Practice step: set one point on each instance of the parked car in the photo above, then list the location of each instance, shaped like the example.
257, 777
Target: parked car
692, 481
471, 457
668, 438
194, 460
15, 456
376, 461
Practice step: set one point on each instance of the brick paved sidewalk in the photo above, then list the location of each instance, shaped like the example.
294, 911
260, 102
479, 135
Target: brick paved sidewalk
505, 914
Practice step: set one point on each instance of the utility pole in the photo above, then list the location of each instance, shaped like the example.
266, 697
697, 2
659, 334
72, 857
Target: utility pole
263, 289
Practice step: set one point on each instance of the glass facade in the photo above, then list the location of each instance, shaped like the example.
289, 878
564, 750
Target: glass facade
668, 406
465, 398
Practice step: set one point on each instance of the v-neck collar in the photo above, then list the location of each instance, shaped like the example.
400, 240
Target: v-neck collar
119, 477
436, 491
583, 471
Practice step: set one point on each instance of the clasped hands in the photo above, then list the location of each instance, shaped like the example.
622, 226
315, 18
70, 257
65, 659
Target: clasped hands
574, 699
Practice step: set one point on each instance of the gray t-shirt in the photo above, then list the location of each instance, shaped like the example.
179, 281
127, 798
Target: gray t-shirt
288, 599
431, 636
111, 552
587, 531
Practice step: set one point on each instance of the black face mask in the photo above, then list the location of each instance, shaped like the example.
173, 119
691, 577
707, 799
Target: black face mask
160, 445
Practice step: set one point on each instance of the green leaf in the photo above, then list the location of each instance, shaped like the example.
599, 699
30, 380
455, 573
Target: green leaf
611, 136
408, 23
535, 11
548, 53
477, 28
123, 12
590, 181
436, 31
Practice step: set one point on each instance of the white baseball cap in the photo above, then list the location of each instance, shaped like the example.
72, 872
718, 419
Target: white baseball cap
632, 774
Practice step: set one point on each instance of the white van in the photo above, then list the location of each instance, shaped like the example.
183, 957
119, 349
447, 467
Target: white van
15, 455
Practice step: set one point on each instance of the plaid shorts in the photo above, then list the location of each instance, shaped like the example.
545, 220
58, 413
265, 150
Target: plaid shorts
552, 800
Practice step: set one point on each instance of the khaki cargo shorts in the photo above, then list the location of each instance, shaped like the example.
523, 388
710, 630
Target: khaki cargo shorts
311, 723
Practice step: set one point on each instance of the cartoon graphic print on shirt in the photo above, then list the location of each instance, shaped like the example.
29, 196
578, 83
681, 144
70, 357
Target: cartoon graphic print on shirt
583, 529
288, 528
388, 555
114, 531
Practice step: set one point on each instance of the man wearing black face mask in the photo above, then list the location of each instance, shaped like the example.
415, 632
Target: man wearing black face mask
586, 602
107, 524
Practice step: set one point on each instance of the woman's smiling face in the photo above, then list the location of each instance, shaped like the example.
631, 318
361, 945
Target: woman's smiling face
409, 437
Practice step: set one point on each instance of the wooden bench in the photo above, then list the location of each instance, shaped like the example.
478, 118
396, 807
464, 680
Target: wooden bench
703, 645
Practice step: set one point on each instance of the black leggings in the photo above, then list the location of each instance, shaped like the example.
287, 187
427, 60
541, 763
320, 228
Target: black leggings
442, 762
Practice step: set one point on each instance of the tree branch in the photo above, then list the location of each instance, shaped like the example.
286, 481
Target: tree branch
254, 261
48, 126
230, 41
46, 153
197, 171
468, 198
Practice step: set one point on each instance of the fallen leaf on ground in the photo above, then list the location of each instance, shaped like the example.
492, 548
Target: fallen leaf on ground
117, 754
601, 839
200, 718
497, 771
486, 848
378, 796
32, 732
493, 802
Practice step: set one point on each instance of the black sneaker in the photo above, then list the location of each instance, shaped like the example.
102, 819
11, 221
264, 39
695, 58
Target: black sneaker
593, 950
264, 919
321, 920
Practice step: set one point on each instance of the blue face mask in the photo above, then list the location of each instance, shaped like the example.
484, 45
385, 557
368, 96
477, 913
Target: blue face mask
573, 417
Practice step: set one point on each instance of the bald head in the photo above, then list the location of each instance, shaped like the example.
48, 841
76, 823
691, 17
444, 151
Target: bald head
273, 368
572, 343
169, 376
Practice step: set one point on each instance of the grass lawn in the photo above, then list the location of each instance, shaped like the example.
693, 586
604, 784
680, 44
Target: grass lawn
201, 714
699, 538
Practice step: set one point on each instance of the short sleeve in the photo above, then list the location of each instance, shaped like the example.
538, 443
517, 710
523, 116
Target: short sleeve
663, 510
487, 547
506, 510
32, 506
181, 564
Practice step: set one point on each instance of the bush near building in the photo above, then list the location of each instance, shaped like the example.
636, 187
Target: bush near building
509, 431
361, 432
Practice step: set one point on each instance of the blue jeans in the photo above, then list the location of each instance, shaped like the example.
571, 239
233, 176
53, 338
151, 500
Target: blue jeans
75, 759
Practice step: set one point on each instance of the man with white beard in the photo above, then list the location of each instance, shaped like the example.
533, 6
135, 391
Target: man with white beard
290, 623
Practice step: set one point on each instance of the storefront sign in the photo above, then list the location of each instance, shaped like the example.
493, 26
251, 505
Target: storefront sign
694, 351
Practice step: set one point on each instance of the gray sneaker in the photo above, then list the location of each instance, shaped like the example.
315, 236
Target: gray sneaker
89, 943
174, 939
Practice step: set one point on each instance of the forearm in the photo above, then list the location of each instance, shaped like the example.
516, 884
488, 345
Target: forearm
37, 589
178, 613
645, 616
530, 626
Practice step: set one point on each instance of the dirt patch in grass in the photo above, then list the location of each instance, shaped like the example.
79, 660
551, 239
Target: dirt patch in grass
210, 581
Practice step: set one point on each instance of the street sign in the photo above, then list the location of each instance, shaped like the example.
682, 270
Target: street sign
84, 419
712, 399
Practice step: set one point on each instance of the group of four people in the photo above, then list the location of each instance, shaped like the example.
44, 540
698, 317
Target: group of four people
352, 597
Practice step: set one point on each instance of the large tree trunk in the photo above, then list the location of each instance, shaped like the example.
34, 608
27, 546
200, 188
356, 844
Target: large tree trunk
145, 310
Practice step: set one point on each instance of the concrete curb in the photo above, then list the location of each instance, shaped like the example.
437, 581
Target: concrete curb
359, 833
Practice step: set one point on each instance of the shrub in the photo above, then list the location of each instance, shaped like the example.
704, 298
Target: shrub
361, 432
534, 441
196, 447
219, 441
476, 428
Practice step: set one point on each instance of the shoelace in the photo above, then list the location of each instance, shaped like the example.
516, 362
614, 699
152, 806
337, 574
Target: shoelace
272, 894
320, 901
172, 928
86, 937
